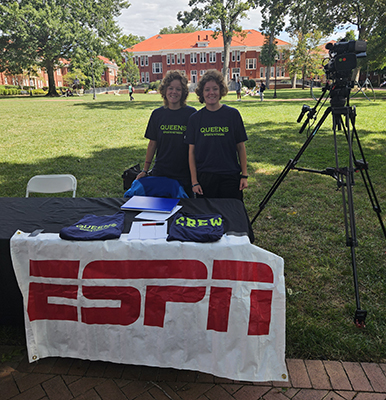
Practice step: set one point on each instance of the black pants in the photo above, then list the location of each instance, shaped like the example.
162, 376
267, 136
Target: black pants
220, 185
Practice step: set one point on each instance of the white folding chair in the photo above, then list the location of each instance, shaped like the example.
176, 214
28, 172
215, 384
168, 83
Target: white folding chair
52, 184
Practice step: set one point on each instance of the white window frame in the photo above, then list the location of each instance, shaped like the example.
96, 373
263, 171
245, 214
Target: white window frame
183, 58
203, 57
250, 63
193, 76
157, 68
235, 55
193, 58
212, 57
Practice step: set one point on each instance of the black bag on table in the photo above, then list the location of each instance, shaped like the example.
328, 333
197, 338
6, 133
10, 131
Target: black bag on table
129, 176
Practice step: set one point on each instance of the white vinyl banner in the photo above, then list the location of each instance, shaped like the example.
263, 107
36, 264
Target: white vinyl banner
216, 307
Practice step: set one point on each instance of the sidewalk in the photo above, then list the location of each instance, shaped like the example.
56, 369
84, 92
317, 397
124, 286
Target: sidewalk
64, 378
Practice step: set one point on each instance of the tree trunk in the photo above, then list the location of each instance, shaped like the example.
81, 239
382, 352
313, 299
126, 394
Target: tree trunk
51, 81
225, 69
294, 81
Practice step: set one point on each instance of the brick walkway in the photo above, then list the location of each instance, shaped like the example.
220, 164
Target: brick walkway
63, 378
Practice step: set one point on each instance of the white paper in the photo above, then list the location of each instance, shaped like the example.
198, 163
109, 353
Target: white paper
148, 230
159, 216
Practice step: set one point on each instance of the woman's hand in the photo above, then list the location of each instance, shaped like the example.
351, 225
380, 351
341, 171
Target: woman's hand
197, 189
243, 183
141, 175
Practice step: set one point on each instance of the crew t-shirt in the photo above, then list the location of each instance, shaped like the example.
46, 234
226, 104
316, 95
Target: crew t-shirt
215, 135
168, 127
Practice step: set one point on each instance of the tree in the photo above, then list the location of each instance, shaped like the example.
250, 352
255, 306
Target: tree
273, 12
178, 29
306, 56
75, 78
129, 69
224, 15
42, 32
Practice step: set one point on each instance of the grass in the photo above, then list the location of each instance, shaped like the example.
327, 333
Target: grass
303, 221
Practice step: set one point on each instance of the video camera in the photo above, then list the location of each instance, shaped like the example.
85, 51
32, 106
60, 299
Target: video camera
343, 59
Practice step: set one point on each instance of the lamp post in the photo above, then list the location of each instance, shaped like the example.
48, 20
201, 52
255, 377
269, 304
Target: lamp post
274, 93
93, 80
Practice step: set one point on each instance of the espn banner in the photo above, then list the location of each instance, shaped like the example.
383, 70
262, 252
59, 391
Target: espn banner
217, 308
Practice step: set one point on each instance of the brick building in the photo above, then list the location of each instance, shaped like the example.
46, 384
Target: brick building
195, 52
40, 80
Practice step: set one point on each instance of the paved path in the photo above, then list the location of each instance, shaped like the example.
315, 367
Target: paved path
64, 378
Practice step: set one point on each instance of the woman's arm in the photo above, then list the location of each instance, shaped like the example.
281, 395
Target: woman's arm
196, 187
241, 151
151, 148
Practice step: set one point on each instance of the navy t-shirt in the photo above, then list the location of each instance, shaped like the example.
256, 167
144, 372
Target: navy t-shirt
168, 127
215, 135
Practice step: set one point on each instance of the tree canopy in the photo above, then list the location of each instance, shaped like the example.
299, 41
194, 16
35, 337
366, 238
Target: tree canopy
221, 15
42, 32
178, 29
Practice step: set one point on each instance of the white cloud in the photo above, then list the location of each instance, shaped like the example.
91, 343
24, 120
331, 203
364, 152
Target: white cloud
147, 18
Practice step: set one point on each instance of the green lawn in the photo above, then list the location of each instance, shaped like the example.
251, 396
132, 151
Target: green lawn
303, 222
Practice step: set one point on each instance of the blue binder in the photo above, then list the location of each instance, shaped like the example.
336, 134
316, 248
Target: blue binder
151, 204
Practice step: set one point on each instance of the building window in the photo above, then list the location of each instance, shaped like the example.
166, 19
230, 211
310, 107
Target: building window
147, 77
173, 59
157, 68
193, 76
136, 60
182, 58
193, 58
142, 61
272, 72
168, 59
202, 58
202, 72
236, 55
250, 63
222, 56
212, 57
282, 71
178, 58
142, 77
146, 60
235, 73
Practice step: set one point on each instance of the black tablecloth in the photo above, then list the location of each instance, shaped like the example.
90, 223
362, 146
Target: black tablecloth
52, 214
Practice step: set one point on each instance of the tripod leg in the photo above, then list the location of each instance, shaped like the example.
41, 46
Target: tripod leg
351, 241
346, 185
362, 166
290, 165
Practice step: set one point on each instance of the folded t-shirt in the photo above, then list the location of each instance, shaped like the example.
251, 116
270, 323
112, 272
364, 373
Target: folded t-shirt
94, 227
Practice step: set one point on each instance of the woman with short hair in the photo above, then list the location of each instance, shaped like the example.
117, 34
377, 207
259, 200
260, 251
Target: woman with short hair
216, 136
166, 131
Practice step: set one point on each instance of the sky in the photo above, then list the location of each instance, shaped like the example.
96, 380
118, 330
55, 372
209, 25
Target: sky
146, 17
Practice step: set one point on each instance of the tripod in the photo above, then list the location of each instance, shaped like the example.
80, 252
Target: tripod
343, 117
